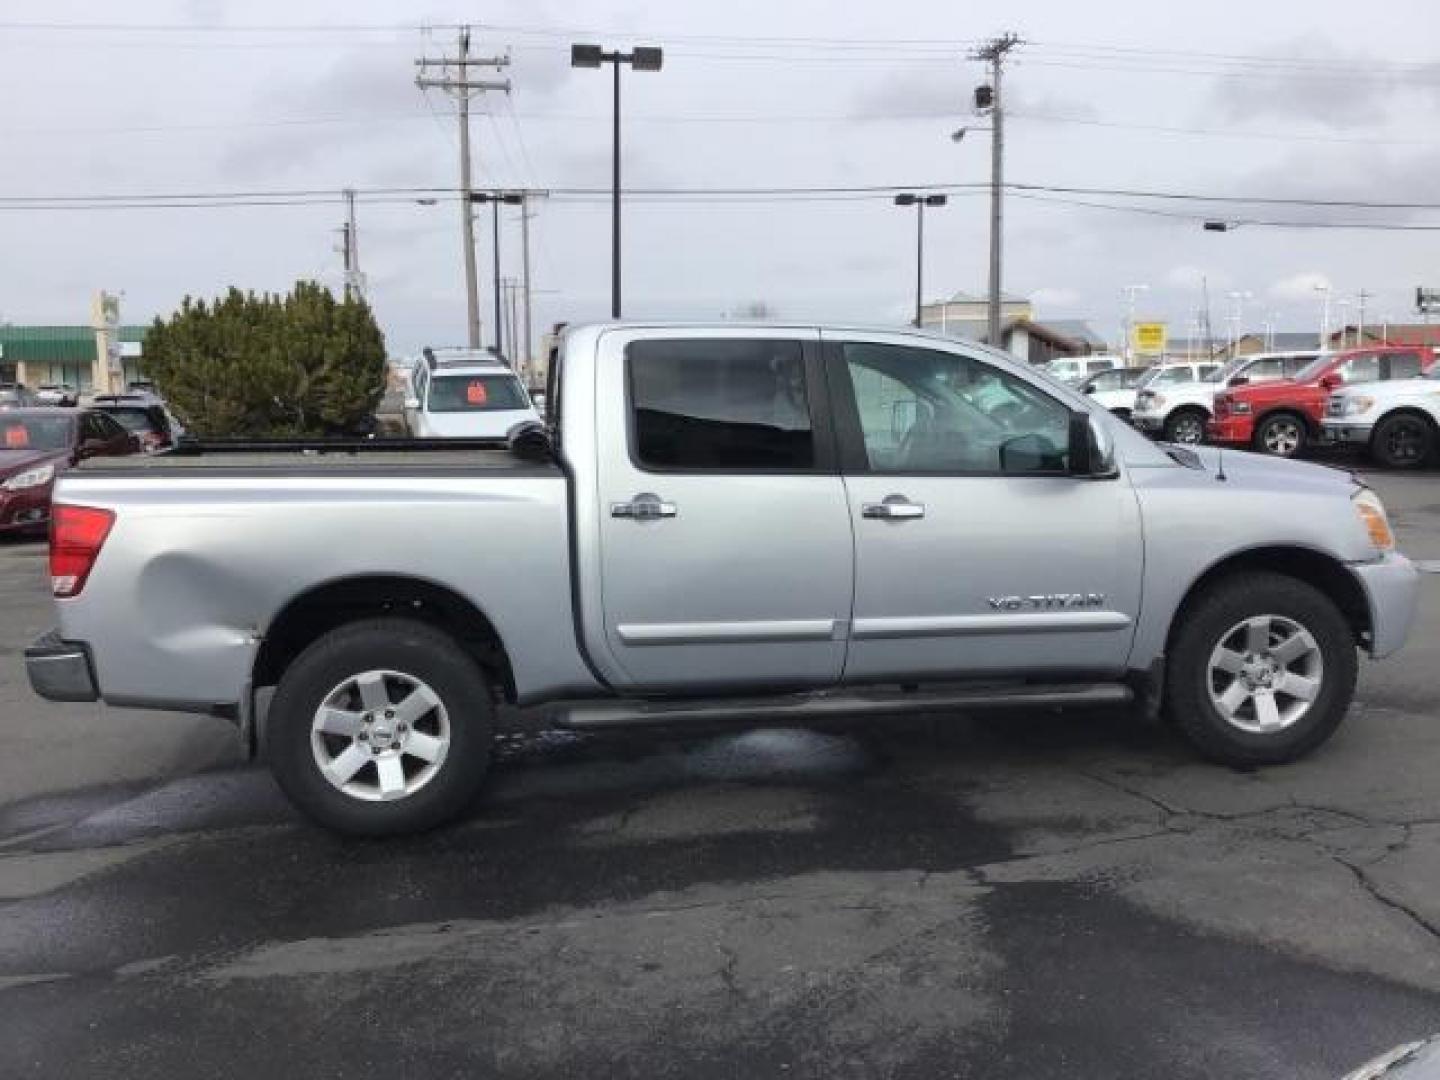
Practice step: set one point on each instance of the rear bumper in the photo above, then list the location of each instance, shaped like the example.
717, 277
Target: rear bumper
1232, 431
1347, 434
61, 670
1392, 590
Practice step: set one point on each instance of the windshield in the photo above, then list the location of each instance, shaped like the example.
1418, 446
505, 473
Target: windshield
476, 393
35, 433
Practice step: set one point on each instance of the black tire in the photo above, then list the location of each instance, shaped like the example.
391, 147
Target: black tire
418, 652
1283, 435
1204, 624
1186, 426
1402, 441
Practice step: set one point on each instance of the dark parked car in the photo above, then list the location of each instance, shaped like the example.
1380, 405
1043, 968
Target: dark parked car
142, 416
36, 445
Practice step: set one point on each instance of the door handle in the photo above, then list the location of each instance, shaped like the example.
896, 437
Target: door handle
893, 508
645, 507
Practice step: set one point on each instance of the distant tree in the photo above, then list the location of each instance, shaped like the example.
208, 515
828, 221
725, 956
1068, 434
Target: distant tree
269, 365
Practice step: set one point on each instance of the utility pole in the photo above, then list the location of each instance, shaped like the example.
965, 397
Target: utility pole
462, 87
529, 356
994, 53
354, 280
1209, 330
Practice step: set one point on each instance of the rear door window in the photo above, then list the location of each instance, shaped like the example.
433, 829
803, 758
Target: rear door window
1405, 365
724, 405
1363, 368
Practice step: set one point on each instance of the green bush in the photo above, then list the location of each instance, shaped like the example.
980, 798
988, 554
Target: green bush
304, 364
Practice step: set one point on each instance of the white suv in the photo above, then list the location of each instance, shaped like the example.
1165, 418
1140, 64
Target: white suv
465, 401
1177, 410
1071, 369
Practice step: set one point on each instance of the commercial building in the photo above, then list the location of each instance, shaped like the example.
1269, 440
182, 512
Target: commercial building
74, 355
965, 315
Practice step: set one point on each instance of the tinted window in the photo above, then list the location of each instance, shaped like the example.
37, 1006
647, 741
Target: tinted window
476, 393
720, 404
135, 420
1404, 365
926, 411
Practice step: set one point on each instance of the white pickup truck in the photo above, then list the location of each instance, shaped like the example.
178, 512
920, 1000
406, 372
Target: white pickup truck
738, 524
1397, 422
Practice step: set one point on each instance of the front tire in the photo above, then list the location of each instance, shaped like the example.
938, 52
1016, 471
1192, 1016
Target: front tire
1403, 441
381, 727
1261, 670
1282, 435
1186, 426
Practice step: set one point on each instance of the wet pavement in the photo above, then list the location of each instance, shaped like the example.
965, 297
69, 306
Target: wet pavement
1027, 896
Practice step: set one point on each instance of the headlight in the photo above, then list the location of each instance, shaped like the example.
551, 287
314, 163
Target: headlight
1353, 406
30, 478
1372, 513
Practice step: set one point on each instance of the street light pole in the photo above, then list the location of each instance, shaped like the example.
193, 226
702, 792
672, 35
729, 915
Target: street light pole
1131, 291
645, 58
495, 198
1324, 290
920, 202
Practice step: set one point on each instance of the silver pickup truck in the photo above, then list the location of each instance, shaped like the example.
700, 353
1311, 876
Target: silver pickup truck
753, 525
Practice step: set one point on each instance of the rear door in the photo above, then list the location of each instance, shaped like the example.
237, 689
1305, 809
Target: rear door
725, 545
976, 552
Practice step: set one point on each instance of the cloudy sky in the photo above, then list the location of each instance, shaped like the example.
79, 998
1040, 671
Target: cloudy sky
216, 96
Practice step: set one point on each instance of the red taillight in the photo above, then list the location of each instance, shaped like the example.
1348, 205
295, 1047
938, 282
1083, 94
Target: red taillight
77, 533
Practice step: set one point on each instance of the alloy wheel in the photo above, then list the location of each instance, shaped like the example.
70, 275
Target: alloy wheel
380, 735
1265, 673
1282, 437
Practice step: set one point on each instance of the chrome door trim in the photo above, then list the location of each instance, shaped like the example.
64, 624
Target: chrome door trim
728, 633
905, 626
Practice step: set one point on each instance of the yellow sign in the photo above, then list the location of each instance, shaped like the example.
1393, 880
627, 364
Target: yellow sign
1148, 338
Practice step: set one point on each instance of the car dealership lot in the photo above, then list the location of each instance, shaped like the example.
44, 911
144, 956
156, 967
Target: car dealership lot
1032, 895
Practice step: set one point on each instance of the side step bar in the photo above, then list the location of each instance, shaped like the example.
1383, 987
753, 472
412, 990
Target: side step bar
801, 709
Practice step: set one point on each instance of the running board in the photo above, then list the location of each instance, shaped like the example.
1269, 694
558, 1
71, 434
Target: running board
801, 709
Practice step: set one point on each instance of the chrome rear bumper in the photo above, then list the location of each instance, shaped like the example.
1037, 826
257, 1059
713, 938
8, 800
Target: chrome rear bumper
61, 670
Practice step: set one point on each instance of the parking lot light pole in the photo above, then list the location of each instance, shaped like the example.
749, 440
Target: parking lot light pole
643, 58
495, 198
920, 202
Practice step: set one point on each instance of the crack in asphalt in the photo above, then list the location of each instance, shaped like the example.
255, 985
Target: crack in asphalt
1381, 897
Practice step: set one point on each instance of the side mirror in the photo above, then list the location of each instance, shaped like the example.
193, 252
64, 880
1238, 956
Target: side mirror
1238, 380
1092, 450
529, 441
1331, 381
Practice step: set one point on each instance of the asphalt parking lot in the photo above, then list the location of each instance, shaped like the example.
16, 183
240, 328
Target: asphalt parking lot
1036, 896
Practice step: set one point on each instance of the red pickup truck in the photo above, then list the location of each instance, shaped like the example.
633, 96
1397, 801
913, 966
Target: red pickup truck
1281, 418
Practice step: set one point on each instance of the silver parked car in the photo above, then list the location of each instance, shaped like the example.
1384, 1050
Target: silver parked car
722, 523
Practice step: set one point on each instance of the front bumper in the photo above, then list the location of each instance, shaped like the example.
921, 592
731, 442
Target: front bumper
1231, 431
25, 509
1147, 422
1338, 431
1392, 591
61, 670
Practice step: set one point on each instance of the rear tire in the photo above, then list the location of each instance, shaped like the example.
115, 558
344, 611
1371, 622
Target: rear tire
1186, 426
1281, 435
381, 727
1252, 637
1403, 441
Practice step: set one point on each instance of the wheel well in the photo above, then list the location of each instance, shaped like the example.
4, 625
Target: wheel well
1188, 407
1321, 571
1409, 411
313, 614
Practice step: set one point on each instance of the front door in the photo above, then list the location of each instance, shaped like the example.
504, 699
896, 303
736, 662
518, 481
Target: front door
725, 543
977, 553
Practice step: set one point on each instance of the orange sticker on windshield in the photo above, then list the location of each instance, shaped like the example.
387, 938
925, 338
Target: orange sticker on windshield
475, 393
17, 438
